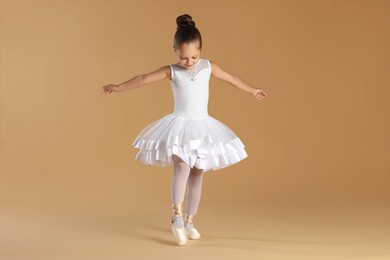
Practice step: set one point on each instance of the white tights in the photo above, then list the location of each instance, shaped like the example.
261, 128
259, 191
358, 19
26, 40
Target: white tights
183, 174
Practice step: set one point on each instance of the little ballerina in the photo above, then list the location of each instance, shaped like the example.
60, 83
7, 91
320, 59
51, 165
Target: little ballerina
189, 138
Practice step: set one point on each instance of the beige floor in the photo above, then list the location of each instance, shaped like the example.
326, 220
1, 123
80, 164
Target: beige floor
47, 226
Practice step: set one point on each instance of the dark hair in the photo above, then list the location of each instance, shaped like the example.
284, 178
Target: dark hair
186, 31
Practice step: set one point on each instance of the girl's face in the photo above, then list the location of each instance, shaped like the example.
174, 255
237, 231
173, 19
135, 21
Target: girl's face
188, 54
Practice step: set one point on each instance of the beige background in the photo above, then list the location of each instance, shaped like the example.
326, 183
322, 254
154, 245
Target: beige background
315, 185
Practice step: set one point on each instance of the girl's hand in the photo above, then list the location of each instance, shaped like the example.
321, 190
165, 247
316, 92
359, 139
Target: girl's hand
110, 88
259, 93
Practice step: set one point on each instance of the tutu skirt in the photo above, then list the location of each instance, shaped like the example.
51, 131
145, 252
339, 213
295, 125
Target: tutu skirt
204, 143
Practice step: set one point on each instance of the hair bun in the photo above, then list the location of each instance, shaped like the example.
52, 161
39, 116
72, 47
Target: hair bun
184, 21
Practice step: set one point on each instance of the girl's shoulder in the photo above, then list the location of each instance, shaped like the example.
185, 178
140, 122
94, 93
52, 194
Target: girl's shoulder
208, 62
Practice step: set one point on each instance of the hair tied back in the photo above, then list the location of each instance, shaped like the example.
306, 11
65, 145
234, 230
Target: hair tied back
184, 21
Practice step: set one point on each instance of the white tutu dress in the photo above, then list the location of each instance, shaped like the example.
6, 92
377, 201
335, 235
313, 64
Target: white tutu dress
190, 132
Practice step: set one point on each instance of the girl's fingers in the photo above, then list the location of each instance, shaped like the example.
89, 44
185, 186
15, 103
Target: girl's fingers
259, 97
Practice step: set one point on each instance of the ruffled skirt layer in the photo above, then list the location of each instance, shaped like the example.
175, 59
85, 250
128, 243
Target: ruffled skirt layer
204, 143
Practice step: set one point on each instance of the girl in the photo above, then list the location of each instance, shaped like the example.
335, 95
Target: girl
189, 138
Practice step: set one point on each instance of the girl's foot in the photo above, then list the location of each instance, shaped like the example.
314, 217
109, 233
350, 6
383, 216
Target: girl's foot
177, 224
192, 232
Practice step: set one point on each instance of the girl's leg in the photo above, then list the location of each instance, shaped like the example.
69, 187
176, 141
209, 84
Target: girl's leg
194, 192
181, 172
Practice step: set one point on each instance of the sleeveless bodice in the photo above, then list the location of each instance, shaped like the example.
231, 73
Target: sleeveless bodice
190, 88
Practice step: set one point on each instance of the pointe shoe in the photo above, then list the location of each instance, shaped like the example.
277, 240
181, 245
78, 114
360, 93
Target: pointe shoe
178, 232
192, 232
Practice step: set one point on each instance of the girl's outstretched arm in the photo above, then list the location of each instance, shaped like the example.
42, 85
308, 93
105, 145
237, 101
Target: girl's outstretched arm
140, 80
236, 81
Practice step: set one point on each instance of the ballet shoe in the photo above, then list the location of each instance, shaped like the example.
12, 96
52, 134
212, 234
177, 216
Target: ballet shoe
191, 231
179, 233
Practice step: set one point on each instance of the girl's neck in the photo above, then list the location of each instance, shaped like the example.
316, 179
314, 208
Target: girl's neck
193, 66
